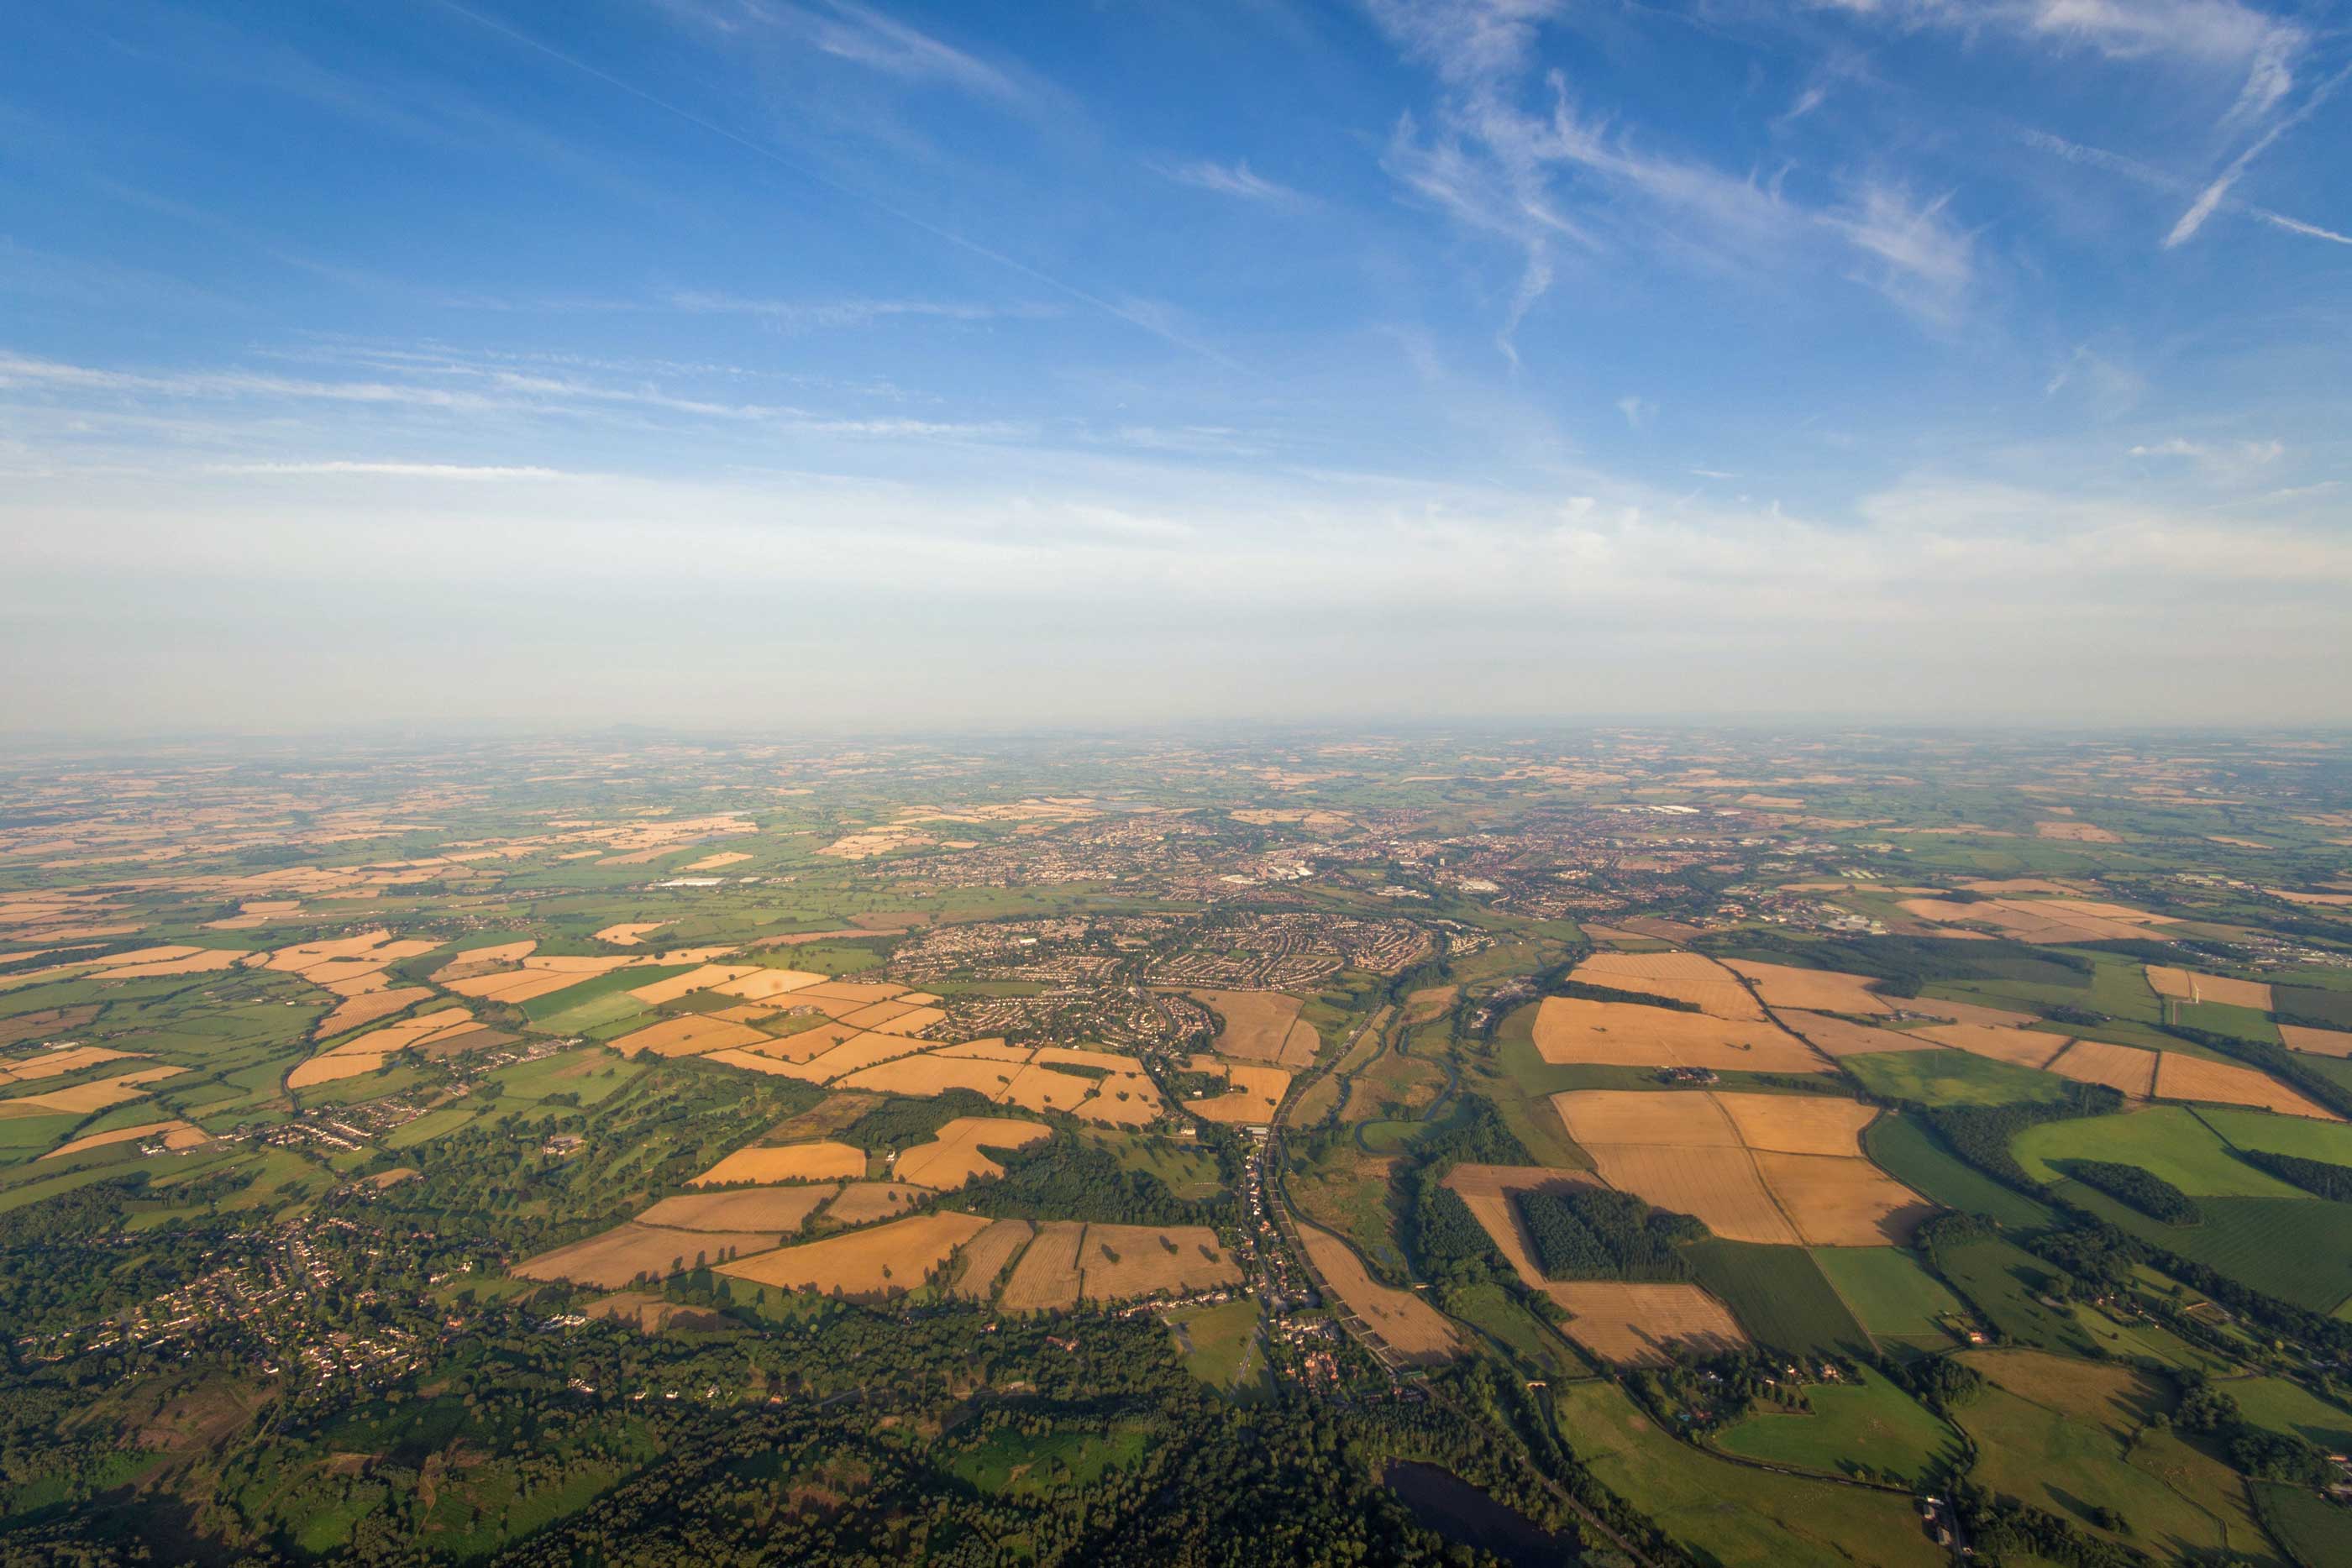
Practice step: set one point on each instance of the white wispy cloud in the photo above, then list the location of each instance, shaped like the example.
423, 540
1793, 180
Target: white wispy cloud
1638, 410
2222, 462
1540, 179
2221, 35
861, 36
393, 470
817, 313
1922, 258
1238, 180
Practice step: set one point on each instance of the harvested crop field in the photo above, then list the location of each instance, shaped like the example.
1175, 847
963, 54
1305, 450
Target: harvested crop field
1488, 1190
869, 1202
2117, 1066
1783, 1169
627, 1252
368, 1006
174, 1134
1569, 1030
688, 1036
1047, 1275
99, 1094
934, 1072
778, 1209
1639, 1324
669, 990
793, 1162
2188, 986
1261, 1026
1811, 990
1679, 977
1414, 1332
986, 1254
1121, 1263
1841, 1037
2183, 1077
2042, 920
1724, 1187
1253, 1094
2317, 1041
57, 1063
880, 1260
955, 1156
2018, 1047
333, 1068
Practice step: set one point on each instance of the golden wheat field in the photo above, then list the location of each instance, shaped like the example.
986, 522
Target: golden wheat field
1811, 990
1641, 1325
879, 1260
174, 1134
2018, 1047
1123, 1262
1679, 977
791, 1162
1046, 1277
1416, 1333
2317, 1041
617, 1257
778, 1209
2188, 986
954, 1157
870, 1202
1261, 1026
2184, 1077
1778, 1169
1842, 1037
2117, 1066
1252, 1093
986, 1255
1572, 1031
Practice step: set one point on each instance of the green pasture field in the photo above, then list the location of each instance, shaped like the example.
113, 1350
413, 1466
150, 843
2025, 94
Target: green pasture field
1007, 1461
2291, 1408
2216, 1018
2298, 1249
2297, 1135
2064, 1435
2318, 1531
1780, 1296
595, 989
592, 1073
1948, 1077
1910, 1153
1868, 1429
1535, 1349
1224, 1350
429, 1127
1736, 1517
27, 1137
2166, 1140
601, 1013
1190, 1173
2005, 1283
2134, 1341
2323, 1005
1890, 1293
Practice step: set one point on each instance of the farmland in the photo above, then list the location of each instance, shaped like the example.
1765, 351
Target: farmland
1736, 1515
1037, 1158
1865, 1428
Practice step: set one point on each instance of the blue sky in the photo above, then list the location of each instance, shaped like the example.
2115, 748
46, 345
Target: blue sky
793, 362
